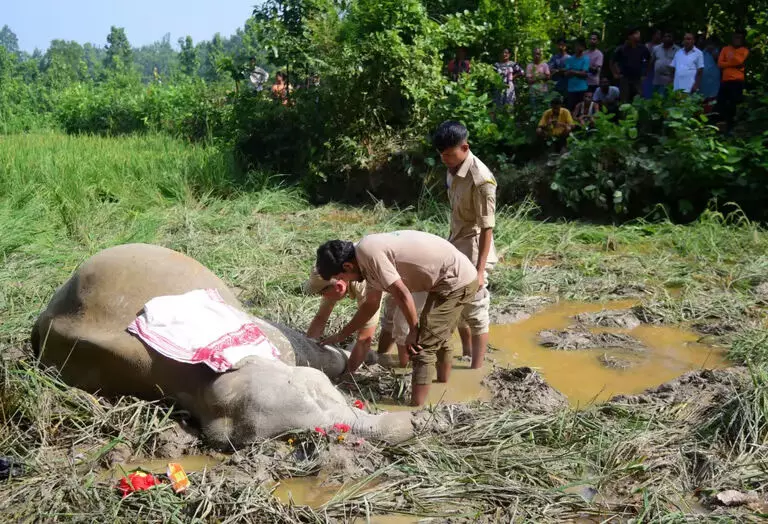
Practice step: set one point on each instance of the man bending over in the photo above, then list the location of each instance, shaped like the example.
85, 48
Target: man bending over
401, 263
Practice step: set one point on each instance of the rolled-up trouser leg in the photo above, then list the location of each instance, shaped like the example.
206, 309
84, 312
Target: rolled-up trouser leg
476, 314
439, 319
400, 327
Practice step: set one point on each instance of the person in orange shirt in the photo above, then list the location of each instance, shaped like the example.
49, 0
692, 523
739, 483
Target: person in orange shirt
731, 62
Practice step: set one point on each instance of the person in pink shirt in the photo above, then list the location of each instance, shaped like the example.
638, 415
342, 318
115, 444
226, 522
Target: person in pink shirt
538, 76
595, 62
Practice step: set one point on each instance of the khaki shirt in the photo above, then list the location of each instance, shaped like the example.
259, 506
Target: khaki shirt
423, 261
472, 194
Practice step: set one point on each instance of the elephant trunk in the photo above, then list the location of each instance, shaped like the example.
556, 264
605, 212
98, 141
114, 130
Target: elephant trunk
391, 428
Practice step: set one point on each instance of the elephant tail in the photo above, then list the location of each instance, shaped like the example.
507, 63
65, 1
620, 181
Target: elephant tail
34, 340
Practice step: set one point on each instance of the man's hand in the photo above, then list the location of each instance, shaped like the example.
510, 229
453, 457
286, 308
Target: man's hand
411, 341
480, 278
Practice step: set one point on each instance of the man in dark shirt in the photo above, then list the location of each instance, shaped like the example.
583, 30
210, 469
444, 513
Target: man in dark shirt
628, 64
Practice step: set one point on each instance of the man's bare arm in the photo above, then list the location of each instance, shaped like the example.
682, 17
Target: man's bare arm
361, 349
317, 326
364, 313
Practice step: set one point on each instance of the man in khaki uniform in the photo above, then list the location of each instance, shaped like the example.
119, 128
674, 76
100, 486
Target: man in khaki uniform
332, 291
394, 328
472, 194
400, 263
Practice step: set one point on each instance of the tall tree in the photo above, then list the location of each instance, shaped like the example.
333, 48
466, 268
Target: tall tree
63, 63
214, 51
9, 40
188, 56
119, 53
160, 55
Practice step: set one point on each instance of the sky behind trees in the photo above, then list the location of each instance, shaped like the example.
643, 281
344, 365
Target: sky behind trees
145, 21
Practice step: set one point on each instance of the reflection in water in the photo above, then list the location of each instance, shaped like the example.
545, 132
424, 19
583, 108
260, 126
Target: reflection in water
580, 375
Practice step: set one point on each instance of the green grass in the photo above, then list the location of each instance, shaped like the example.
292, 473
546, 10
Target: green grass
62, 199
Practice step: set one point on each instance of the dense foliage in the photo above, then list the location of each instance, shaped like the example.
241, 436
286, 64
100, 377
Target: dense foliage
368, 85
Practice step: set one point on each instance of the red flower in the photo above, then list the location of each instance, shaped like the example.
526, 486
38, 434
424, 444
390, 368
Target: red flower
320, 430
136, 481
359, 404
341, 428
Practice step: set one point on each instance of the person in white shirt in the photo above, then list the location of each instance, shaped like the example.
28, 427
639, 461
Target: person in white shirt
688, 66
607, 95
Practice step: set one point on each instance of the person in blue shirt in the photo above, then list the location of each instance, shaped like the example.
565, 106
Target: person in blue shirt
576, 70
557, 67
710, 79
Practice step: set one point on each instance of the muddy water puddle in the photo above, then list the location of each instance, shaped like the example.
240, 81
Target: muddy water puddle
310, 491
584, 375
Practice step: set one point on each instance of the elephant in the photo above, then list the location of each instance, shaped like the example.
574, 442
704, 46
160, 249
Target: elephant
82, 334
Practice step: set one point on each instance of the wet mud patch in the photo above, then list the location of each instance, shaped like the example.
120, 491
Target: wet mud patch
621, 319
614, 362
524, 389
703, 386
574, 339
375, 383
518, 309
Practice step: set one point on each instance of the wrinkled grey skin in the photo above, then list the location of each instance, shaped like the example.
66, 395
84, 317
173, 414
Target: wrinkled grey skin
83, 334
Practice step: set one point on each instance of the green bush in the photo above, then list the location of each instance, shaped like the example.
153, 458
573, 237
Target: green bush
663, 150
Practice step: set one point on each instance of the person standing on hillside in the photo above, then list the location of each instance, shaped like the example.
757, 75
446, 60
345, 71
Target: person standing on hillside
401, 263
628, 65
538, 75
648, 83
688, 66
557, 67
576, 70
458, 65
509, 70
595, 57
660, 64
472, 195
710, 79
731, 61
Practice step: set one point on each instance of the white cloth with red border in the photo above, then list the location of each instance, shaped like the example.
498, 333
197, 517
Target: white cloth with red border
199, 327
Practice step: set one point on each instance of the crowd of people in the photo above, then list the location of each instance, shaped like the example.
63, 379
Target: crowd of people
583, 83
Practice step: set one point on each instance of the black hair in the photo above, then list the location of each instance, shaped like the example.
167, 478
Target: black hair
449, 134
580, 41
632, 30
740, 31
562, 40
595, 33
331, 257
558, 100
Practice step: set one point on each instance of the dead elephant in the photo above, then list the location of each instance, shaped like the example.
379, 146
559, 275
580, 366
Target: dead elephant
83, 334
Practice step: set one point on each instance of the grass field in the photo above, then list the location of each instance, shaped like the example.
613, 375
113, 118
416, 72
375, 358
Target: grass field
62, 199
